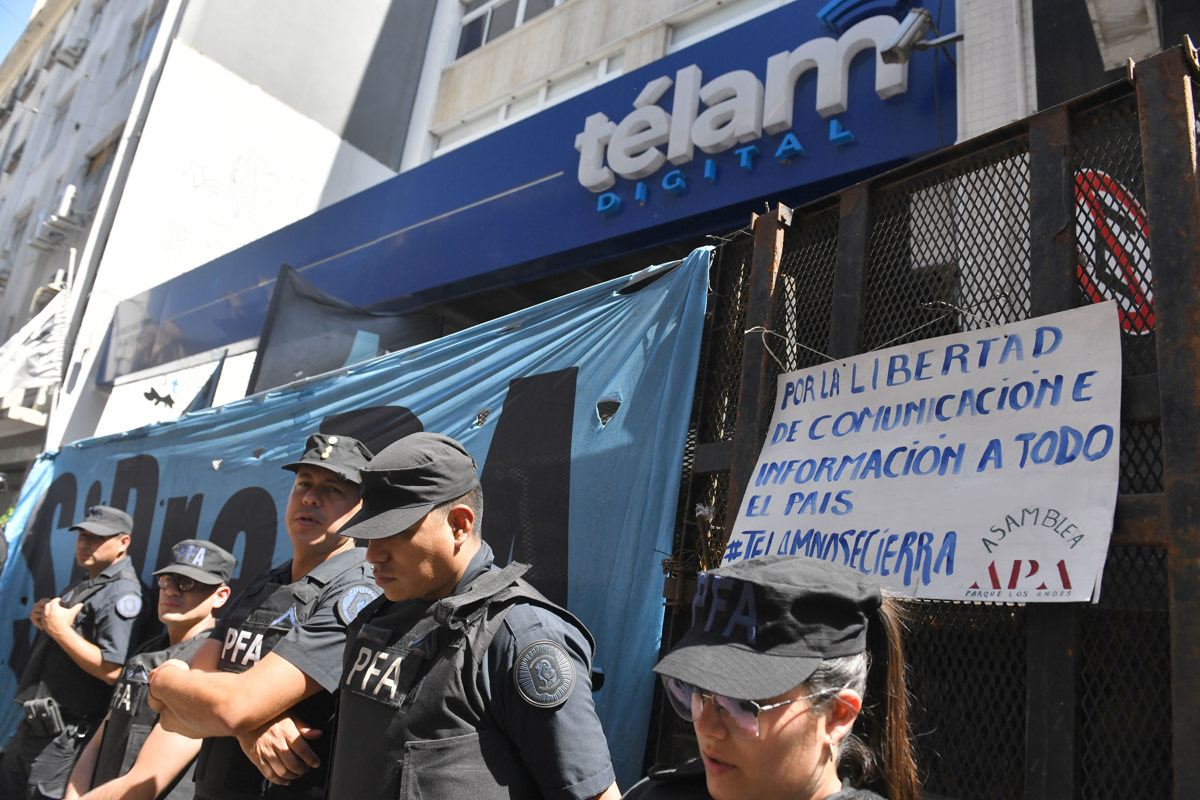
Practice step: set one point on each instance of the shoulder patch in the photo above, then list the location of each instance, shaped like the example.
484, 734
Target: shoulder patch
129, 605
545, 674
354, 600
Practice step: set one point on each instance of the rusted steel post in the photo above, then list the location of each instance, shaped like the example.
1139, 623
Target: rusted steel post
849, 280
1052, 253
1052, 669
1166, 109
755, 390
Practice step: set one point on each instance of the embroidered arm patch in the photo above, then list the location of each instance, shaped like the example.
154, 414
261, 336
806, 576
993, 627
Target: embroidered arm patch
129, 605
545, 674
354, 600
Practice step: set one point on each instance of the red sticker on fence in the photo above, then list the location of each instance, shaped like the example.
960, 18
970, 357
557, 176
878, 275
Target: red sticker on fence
1114, 249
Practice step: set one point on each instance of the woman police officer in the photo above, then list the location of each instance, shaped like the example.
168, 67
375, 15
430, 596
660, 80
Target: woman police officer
793, 677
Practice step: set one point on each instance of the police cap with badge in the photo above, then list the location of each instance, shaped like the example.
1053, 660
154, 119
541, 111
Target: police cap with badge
345, 457
203, 562
762, 627
342, 455
105, 521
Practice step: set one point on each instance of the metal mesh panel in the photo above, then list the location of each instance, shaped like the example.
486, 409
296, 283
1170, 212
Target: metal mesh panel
701, 511
950, 250
1125, 680
1111, 225
804, 291
700, 538
1112, 242
1141, 458
726, 331
967, 677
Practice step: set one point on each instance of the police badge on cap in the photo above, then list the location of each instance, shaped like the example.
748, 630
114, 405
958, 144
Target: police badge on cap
105, 521
341, 455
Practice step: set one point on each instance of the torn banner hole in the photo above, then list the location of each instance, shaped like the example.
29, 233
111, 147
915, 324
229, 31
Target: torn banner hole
606, 408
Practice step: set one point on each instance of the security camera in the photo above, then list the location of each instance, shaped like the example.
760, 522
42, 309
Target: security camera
911, 36
912, 30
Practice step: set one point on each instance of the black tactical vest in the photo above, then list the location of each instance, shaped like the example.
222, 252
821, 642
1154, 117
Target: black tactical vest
50, 672
395, 740
130, 718
265, 614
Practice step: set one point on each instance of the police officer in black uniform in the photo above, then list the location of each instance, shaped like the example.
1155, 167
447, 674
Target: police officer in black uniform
463, 681
276, 653
82, 641
192, 587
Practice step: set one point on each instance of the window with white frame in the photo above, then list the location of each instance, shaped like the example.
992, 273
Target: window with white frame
522, 104
484, 20
711, 20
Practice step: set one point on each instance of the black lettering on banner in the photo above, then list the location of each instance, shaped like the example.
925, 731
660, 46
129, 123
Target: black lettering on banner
39, 557
376, 426
527, 479
137, 475
180, 521
95, 496
251, 511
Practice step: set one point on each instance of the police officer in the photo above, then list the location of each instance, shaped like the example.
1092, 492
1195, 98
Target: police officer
82, 641
191, 588
278, 647
463, 681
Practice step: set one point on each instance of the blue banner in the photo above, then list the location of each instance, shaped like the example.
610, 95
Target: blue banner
577, 411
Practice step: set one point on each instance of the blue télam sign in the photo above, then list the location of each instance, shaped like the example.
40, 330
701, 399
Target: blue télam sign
786, 107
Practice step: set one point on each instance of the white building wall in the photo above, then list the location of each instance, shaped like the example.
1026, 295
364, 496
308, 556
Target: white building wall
220, 163
87, 104
995, 64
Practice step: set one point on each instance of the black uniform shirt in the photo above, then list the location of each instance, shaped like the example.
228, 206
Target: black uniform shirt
304, 622
109, 618
315, 646
565, 749
561, 746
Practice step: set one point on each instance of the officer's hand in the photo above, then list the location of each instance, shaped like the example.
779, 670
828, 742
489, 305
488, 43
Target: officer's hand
280, 751
157, 704
57, 618
37, 613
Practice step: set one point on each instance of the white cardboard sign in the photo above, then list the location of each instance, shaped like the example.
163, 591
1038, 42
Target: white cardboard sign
978, 466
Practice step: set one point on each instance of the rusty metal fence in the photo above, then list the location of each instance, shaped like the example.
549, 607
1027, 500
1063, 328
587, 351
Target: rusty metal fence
1093, 200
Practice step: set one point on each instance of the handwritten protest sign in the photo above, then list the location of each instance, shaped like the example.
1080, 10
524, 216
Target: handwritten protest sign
978, 466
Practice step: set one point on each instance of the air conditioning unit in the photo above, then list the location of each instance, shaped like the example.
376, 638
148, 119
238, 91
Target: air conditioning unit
64, 218
51, 229
69, 55
44, 237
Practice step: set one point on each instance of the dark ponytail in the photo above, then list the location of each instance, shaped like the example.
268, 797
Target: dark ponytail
877, 754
